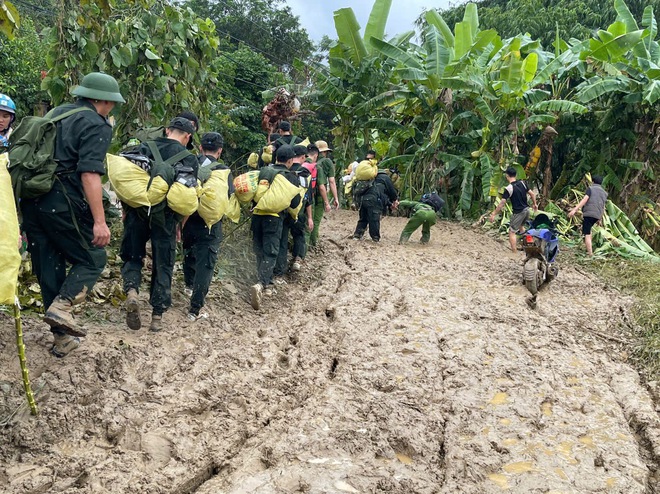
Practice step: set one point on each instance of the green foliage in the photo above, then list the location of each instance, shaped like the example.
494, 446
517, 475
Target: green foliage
160, 54
9, 19
22, 62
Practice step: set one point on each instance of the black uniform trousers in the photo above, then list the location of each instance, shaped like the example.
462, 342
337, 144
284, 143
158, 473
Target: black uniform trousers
370, 211
200, 246
59, 227
298, 230
266, 239
160, 228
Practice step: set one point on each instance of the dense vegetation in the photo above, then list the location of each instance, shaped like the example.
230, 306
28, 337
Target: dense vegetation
452, 111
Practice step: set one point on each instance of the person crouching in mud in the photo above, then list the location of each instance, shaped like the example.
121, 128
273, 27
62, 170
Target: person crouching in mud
423, 213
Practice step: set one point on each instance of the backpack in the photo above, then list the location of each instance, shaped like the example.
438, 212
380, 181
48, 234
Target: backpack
360, 188
32, 161
433, 200
313, 177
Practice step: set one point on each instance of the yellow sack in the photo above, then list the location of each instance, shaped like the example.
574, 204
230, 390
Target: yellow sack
305, 142
262, 187
214, 199
128, 180
233, 211
245, 186
278, 197
366, 170
130, 183
294, 212
183, 199
267, 155
10, 258
253, 160
157, 191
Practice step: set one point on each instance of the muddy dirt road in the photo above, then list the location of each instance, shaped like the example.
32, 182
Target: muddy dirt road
387, 368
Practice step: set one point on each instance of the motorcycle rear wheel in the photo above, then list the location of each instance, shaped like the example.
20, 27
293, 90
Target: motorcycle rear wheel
530, 274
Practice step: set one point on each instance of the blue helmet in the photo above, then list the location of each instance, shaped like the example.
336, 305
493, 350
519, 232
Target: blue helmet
7, 104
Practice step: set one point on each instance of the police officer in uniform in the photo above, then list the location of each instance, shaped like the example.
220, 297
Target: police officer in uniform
67, 224
201, 244
158, 224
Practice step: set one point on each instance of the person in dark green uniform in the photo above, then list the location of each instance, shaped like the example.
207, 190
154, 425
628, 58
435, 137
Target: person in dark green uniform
378, 197
321, 204
158, 224
201, 244
267, 227
299, 226
423, 214
67, 224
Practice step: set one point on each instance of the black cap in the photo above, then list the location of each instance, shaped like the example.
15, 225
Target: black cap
285, 126
188, 115
212, 141
312, 148
300, 150
273, 137
182, 124
285, 153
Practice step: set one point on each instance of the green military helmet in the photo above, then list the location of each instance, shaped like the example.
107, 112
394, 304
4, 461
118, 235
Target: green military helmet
97, 85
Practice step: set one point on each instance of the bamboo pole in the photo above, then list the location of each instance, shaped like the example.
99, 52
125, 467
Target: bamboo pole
21, 358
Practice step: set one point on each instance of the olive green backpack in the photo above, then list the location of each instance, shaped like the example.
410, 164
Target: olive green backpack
32, 163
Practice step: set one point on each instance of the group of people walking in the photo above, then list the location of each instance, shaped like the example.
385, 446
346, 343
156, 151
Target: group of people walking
67, 226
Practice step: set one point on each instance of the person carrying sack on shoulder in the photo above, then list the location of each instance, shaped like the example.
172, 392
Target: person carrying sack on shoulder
267, 227
159, 224
201, 244
66, 225
379, 195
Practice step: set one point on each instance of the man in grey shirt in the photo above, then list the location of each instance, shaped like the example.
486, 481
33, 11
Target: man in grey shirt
593, 204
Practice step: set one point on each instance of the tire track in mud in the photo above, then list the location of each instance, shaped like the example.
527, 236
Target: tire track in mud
400, 369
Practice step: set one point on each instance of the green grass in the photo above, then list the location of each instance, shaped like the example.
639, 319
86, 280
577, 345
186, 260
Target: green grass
642, 280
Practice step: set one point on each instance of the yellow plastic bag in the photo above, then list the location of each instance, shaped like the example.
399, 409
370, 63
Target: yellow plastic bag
214, 199
157, 191
253, 160
366, 170
245, 186
130, 183
278, 197
183, 199
128, 180
10, 258
294, 212
233, 211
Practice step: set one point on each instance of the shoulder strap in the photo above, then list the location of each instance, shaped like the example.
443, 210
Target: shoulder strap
156, 154
69, 113
177, 157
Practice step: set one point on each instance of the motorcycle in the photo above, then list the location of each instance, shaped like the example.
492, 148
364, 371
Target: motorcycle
541, 245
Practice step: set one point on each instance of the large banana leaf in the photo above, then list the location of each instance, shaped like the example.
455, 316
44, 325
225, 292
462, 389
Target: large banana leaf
435, 19
384, 100
511, 74
437, 53
384, 124
597, 87
617, 47
471, 17
467, 187
484, 110
396, 53
652, 92
530, 64
651, 25
462, 39
559, 106
624, 15
348, 31
377, 20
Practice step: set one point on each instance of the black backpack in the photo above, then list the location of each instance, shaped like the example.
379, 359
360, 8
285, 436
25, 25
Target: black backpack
433, 200
360, 188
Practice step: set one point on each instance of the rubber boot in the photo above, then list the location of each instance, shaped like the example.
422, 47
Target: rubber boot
63, 344
295, 265
156, 323
59, 314
132, 305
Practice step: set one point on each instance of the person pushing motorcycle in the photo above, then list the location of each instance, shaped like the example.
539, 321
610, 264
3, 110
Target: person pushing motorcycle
517, 191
